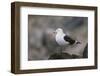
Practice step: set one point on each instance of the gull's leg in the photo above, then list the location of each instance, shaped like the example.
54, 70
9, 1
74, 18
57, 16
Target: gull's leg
62, 48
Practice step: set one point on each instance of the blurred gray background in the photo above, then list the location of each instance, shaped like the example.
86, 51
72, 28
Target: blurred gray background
41, 42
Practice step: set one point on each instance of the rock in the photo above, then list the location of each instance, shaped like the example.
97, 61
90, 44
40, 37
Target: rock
63, 56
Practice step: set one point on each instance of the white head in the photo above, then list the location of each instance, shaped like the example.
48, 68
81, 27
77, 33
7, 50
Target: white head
59, 30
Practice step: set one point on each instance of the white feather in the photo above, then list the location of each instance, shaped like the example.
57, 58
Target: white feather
60, 37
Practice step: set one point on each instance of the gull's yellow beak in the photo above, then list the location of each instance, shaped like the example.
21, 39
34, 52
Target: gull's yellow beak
54, 32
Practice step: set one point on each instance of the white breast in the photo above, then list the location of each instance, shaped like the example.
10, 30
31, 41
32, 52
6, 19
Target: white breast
60, 39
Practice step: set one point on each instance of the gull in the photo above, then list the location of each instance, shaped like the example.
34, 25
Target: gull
63, 39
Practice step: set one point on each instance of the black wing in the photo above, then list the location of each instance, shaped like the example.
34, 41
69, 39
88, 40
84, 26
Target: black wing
68, 39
